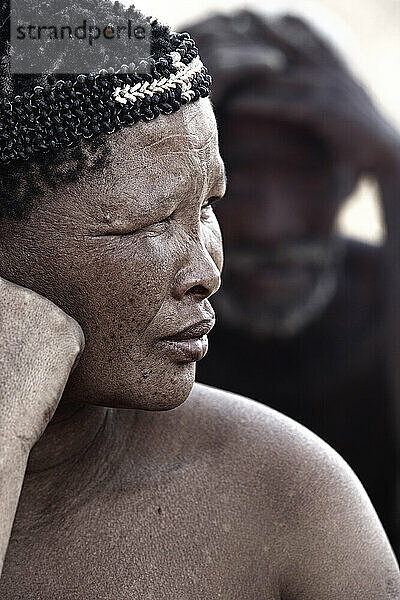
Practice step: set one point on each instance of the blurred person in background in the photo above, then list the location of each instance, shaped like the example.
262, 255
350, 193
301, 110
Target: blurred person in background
302, 323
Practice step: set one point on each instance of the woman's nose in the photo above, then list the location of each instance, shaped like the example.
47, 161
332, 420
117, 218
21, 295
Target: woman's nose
199, 278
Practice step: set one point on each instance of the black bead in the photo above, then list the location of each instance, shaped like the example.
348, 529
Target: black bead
166, 108
148, 114
128, 119
203, 91
175, 105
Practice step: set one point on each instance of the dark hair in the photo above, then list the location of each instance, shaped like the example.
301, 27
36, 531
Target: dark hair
22, 183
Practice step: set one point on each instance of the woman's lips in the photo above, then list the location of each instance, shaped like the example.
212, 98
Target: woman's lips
186, 351
190, 344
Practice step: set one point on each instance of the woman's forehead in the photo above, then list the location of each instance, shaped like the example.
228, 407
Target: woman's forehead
181, 146
193, 127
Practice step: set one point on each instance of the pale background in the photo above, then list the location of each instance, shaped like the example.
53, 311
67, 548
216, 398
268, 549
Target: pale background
368, 32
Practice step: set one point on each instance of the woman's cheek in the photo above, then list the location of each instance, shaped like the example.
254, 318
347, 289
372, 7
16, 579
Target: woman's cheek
146, 268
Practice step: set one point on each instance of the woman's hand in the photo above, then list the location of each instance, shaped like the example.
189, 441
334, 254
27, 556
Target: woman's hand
39, 345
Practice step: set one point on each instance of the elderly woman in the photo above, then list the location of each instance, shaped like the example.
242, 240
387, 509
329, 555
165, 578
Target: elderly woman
219, 498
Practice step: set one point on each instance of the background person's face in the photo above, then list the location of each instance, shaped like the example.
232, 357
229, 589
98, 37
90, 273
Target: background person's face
132, 253
281, 253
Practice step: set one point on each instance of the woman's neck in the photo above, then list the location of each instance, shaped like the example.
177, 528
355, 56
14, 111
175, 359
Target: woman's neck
76, 452
72, 430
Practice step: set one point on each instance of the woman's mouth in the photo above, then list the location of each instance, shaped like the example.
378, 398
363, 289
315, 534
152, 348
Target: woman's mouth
189, 344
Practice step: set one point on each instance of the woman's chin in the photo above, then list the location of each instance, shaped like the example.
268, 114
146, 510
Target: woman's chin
158, 391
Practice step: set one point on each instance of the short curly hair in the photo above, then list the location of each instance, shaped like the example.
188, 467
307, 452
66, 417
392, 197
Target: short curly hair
23, 184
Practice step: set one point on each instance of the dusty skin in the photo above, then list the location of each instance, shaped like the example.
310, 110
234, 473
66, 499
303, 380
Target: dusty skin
219, 497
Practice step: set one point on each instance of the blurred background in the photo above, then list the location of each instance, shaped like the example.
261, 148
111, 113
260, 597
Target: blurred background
369, 33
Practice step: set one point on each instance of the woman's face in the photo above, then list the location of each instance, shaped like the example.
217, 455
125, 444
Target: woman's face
133, 253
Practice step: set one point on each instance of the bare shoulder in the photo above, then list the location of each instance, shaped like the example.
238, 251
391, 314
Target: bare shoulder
290, 499
277, 455
264, 437
274, 456
257, 446
323, 521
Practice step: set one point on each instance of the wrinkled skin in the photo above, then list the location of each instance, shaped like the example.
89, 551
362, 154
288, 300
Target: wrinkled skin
136, 262
147, 504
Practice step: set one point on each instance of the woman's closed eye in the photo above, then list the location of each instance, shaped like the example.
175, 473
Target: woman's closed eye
155, 227
158, 227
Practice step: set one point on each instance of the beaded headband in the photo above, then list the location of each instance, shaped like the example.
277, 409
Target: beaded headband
56, 116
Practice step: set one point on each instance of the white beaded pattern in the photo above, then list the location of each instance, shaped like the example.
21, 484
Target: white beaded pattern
183, 77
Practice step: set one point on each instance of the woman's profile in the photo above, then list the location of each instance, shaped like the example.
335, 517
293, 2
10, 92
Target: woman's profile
120, 477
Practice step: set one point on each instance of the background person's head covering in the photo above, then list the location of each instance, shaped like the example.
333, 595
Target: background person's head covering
245, 49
